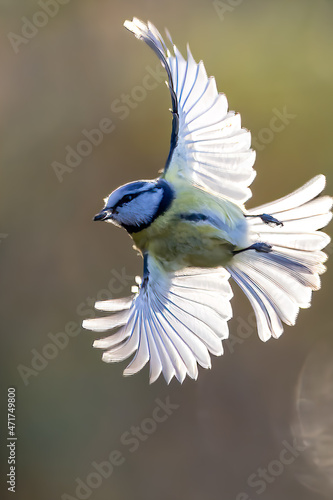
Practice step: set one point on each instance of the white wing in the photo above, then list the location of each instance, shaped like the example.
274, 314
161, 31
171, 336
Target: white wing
281, 282
208, 145
174, 322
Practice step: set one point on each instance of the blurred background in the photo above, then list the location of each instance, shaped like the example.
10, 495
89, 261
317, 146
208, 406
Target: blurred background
68, 67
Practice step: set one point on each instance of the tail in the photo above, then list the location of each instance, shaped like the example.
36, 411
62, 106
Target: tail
280, 282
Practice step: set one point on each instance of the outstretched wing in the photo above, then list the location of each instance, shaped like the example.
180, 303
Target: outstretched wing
208, 145
174, 322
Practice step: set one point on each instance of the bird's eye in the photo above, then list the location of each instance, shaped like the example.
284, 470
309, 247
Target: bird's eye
127, 197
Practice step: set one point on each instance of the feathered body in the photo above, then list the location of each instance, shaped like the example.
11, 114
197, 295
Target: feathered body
198, 230
194, 233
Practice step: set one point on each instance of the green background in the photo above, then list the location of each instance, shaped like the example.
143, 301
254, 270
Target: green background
55, 261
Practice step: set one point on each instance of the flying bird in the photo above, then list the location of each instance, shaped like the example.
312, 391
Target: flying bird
194, 233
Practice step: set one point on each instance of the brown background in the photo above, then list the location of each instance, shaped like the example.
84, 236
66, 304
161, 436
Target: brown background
235, 418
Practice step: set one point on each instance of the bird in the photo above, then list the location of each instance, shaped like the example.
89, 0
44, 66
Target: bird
194, 234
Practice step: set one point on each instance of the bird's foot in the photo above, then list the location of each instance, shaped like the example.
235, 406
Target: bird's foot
267, 219
258, 247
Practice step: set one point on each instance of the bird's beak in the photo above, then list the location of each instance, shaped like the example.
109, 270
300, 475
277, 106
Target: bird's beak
103, 215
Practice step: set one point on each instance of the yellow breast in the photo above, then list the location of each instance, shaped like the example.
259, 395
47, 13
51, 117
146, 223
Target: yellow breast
177, 242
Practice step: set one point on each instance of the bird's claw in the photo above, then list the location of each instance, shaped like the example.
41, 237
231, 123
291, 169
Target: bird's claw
261, 247
270, 220
258, 247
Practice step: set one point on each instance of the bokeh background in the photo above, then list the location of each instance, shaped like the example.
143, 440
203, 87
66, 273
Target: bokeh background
72, 411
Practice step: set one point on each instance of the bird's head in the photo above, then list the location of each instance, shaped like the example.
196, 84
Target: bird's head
136, 205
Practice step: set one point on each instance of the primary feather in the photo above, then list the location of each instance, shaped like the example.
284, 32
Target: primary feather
208, 144
280, 282
175, 321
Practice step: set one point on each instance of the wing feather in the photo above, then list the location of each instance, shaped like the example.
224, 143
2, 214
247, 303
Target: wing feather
175, 321
224, 163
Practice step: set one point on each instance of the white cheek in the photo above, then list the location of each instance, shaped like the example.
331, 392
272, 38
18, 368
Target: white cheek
139, 211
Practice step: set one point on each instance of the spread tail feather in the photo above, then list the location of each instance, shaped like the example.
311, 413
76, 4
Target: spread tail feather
280, 282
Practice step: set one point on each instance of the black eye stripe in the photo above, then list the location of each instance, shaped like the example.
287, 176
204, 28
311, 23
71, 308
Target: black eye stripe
131, 196
127, 198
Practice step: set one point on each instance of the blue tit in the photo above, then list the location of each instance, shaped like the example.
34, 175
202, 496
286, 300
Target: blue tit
194, 233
